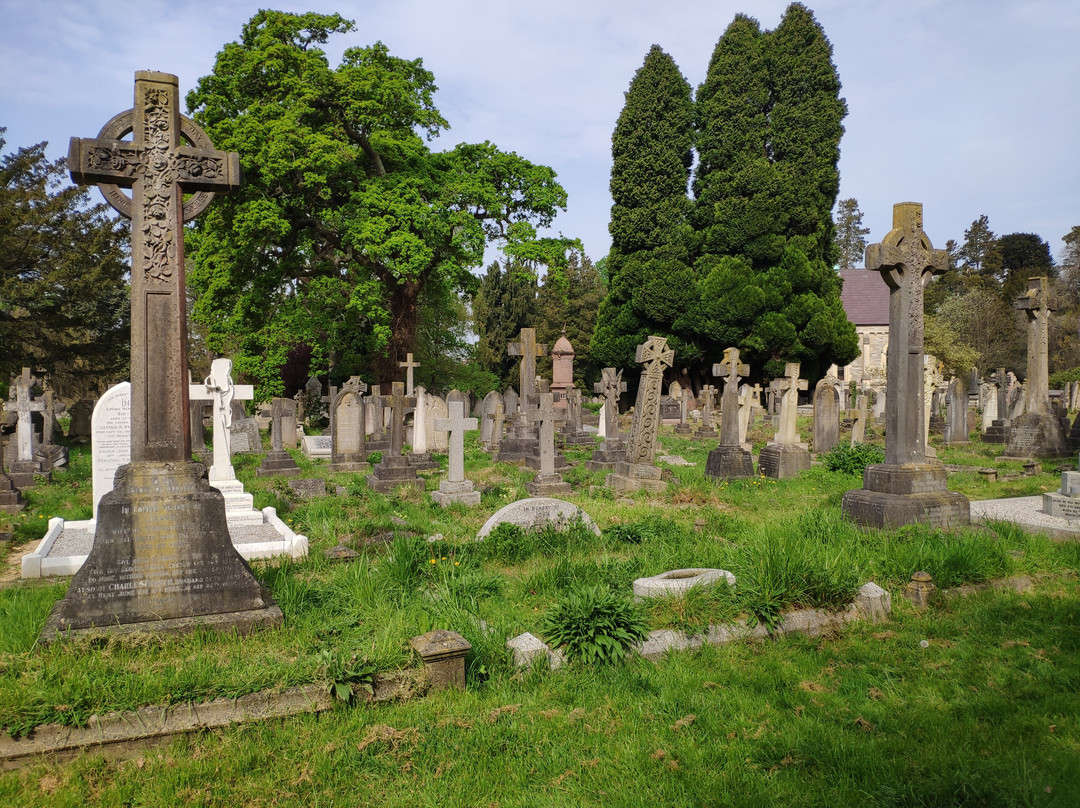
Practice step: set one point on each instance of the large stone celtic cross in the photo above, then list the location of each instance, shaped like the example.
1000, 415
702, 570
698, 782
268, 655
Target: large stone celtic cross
907, 261
159, 168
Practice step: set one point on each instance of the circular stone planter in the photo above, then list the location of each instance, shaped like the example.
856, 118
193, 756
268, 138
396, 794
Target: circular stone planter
675, 582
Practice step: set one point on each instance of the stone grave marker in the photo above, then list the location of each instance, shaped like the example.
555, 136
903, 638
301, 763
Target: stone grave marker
487, 417
638, 471
908, 487
548, 481
730, 460
686, 404
378, 439
562, 369
409, 366
110, 438
613, 448
858, 429
394, 469
538, 512
1001, 425
527, 348
455, 488
25, 465
162, 558
348, 450
510, 404
80, 429
708, 407
278, 462
786, 457
420, 456
826, 415
956, 422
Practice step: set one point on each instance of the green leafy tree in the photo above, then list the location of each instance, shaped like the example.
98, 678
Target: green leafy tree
850, 234
650, 279
504, 304
345, 214
64, 298
572, 301
1017, 257
980, 319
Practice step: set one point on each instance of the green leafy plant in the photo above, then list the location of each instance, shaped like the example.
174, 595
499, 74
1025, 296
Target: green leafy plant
344, 675
852, 459
594, 625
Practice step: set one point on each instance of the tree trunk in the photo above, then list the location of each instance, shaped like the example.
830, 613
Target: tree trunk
403, 317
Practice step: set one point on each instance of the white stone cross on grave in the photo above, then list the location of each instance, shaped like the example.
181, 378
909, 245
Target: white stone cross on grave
546, 415
409, 365
219, 389
24, 404
456, 425
788, 386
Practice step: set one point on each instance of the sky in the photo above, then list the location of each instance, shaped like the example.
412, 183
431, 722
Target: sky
968, 106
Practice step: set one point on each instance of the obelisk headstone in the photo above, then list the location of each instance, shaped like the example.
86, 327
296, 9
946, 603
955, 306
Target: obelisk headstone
162, 557
786, 457
638, 471
908, 487
730, 460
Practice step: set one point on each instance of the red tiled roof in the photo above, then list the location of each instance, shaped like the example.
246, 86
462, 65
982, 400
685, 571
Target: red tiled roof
865, 297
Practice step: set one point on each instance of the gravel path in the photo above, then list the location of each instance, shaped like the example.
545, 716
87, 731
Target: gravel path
75, 542
1027, 512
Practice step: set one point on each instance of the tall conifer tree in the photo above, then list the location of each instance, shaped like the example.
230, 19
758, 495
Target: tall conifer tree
651, 283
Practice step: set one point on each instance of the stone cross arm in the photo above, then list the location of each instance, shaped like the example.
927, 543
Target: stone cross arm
199, 392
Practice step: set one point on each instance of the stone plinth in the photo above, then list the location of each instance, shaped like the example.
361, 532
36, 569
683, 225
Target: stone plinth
11, 500
443, 653
518, 445
783, 461
278, 463
729, 463
162, 555
462, 492
23, 472
534, 459
1037, 434
422, 461
920, 589
895, 495
548, 485
636, 477
392, 472
997, 432
1065, 503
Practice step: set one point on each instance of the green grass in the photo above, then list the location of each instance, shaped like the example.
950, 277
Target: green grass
777, 722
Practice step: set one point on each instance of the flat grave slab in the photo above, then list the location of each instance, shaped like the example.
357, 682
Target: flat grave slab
1028, 513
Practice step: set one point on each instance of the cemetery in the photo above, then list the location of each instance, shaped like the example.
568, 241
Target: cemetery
405, 572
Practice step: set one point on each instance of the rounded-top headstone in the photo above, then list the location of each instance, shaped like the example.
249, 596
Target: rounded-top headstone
537, 512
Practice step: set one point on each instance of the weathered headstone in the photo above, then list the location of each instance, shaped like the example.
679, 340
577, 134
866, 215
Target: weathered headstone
11, 500
436, 408
638, 471
708, 409
394, 469
548, 481
613, 449
1001, 425
572, 432
527, 348
786, 457
81, 412
278, 462
487, 416
289, 422
730, 460
908, 487
409, 366
378, 439
162, 557
956, 430
317, 447
420, 457
858, 429
455, 488
562, 369
826, 415
538, 512
22, 403
1039, 432
348, 450
510, 404
49, 453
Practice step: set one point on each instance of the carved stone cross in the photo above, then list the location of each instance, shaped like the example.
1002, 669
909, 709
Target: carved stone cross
731, 370
160, 169
456, 425
655, 355
397, 401
527, 348
610, 386
1001, 380
788, 386
409, 366
907, 261
218, 388
708, 393
1035, 304
546, 416
24, 404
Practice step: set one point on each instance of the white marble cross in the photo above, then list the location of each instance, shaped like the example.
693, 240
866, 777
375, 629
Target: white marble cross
23, 405
408, 364
456, 425
219, 389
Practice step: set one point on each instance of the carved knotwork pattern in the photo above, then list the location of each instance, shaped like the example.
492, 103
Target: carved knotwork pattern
159, 179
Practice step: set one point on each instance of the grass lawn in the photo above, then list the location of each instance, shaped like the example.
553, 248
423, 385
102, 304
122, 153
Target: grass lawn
985, 714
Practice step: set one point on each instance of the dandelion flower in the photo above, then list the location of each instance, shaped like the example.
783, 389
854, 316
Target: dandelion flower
433, 561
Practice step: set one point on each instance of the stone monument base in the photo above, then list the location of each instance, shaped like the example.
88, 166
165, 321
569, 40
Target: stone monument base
782, 461
392, 472
519, 444
347, 466
997, 432
548, 485
462, 492
609, 453
1066, 502
709, 434
636, 477
1036, 434
683, 429
162, 559
533, 461
11, 500
278, 463
377, 443
23, 472
422, 461
729, 463
893, 495
571, 438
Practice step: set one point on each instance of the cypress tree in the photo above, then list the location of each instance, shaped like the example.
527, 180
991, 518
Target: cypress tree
651, 283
